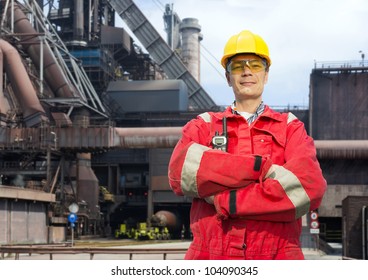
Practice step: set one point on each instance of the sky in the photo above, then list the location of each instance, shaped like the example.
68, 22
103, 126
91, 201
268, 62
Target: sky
299, 33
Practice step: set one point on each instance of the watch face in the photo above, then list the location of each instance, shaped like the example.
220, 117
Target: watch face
73, 208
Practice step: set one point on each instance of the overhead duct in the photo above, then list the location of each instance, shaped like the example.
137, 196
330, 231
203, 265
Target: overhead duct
161, 137
343, 149
147, 137
31, 42
167, 137
33, 112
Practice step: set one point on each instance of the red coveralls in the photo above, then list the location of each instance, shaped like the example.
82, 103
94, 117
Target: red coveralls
262, 186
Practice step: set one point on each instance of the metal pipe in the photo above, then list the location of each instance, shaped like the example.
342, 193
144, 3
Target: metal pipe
164, 137
22, 85
346, 149
30, 41
4, 105
147, 137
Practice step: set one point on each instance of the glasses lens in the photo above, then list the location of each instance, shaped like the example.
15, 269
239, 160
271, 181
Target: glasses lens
237, 66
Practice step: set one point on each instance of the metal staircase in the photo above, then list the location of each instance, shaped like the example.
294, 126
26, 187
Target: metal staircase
160, 51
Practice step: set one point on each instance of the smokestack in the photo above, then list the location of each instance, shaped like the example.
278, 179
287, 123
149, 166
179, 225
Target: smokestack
190, 33
78, 22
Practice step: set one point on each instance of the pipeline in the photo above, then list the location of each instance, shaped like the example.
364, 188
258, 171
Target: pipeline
30, 41
167, 137
160, 137
146, 137
4, 105
342, 149
33, 112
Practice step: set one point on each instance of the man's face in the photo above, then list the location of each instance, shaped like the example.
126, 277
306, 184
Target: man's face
246, 83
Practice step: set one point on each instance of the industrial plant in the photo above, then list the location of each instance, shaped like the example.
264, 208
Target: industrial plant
89, 119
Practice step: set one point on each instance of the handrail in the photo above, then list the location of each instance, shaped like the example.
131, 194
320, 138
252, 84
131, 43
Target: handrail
51, 250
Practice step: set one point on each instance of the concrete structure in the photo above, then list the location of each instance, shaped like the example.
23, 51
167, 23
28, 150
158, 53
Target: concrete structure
190, 51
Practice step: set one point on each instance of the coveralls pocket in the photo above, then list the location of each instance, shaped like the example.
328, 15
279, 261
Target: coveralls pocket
262, 144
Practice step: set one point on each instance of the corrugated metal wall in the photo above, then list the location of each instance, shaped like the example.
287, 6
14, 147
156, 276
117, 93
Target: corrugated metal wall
338, 105
22, 222
352, 226
159, 182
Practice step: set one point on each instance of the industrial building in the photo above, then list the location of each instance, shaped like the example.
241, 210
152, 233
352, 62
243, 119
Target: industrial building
74, 129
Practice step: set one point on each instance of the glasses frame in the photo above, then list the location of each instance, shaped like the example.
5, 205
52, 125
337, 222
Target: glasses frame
247, 63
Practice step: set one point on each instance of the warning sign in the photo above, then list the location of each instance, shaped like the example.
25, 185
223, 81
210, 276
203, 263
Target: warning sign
314, 215
314, 224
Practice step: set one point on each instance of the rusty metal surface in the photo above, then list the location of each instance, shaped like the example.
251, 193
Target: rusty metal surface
338, 104
138, 137
25, 194
33, 112
31, 43
166, 218
23, 221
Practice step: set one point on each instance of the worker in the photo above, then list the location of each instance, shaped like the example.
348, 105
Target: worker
252, 173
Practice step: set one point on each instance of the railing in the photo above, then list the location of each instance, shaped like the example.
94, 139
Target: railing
53, 250
340, 64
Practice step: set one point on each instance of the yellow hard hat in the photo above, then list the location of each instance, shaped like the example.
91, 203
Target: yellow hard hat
245, 42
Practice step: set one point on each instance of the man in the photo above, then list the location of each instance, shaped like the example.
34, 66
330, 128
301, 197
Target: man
252, 172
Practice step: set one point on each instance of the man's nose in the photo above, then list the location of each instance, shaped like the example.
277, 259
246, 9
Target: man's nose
246, 71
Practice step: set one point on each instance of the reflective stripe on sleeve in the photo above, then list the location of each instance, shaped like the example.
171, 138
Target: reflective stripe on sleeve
206, 117
190, 169
293, 188
291, 117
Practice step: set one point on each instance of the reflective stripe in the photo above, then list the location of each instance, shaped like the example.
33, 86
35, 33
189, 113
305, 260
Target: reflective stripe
190, 169
291, 117
293, 188
206, 117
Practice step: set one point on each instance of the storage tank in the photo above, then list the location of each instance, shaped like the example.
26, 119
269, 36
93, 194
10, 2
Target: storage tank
166, 219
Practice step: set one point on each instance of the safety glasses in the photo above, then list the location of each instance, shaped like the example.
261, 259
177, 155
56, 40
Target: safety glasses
237, 66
